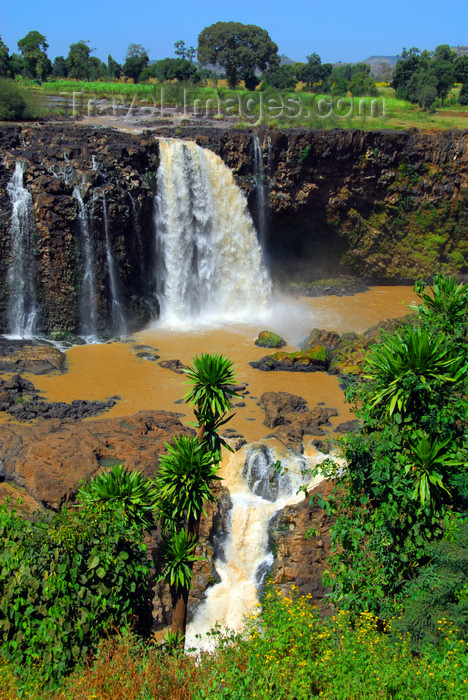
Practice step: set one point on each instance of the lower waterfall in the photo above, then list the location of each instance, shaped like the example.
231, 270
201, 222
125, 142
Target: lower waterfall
257, 490
208, 260
23, 307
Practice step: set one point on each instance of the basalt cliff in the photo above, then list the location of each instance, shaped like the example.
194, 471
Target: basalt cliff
384, 205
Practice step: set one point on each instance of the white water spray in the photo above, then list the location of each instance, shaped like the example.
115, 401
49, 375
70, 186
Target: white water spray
118, 318
88, 306
260, 191
209, 263
257, 491
23, 306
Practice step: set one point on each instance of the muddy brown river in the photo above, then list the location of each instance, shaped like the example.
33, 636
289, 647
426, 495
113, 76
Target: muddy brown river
99, 371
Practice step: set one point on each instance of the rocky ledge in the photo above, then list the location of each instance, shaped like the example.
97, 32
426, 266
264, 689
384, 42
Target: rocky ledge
50, 458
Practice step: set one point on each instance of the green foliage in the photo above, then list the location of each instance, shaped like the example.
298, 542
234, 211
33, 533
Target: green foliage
184, 481
33, 48
78, 60
211, 378
136, 60
5, 67
239, 49
12, 103
176, 557
66, 580
439, 593
305, 153
407, 470
130, 491
16, 103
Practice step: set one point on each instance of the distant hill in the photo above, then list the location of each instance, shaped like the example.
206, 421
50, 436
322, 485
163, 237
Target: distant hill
285, 61
460, 50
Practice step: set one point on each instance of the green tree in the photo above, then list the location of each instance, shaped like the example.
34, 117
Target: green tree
463, 96
280, 77
78, 60
314, 72
33, 48
171, 69
240, 49
59, 67
114, 69
186, 477
136, 60
5, 68
460, 69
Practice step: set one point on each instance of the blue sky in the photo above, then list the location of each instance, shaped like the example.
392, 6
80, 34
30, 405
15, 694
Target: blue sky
338, 30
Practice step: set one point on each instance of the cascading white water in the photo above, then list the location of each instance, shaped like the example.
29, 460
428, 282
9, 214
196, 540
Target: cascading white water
261, 194
23, 306
88, 306
257, 491
209, 265
119, 323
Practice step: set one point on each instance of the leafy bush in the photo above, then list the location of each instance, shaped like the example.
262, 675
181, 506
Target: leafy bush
130, 491
66, 580
17, 103
407, 470
439, 593
12, 103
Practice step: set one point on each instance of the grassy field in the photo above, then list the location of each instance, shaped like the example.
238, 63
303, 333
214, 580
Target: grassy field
244, 109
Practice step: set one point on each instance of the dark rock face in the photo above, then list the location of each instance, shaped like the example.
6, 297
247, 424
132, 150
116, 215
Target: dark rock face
385, 205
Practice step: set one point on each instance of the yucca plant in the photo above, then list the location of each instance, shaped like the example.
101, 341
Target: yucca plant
210, 378
428, 460
184, 481
128, 489
446, 301
408, 367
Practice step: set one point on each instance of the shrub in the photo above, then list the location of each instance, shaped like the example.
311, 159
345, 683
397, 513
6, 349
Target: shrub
12, 103
66, 580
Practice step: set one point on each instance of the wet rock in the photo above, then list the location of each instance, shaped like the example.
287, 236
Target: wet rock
50, 458
301, 560
29, 356
268, 339
313, 359
348, 426
18, 397
292, 417
174, 365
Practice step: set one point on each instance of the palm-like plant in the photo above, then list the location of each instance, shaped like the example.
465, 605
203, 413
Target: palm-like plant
186, 477
128, 489
211, 378
406, 368
446, 301
428, 458
184, 481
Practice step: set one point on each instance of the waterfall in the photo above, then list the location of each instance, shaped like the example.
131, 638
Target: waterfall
88, 306
23, 306
260, 191
208, 262
258, 491
118, 318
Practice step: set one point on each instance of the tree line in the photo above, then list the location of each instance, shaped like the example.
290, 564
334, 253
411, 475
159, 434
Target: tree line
244, 52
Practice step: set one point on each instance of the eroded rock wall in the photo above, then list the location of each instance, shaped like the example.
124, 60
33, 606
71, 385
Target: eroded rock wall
387, 205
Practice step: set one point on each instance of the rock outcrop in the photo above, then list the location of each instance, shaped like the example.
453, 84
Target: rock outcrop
50, 458
290, 415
